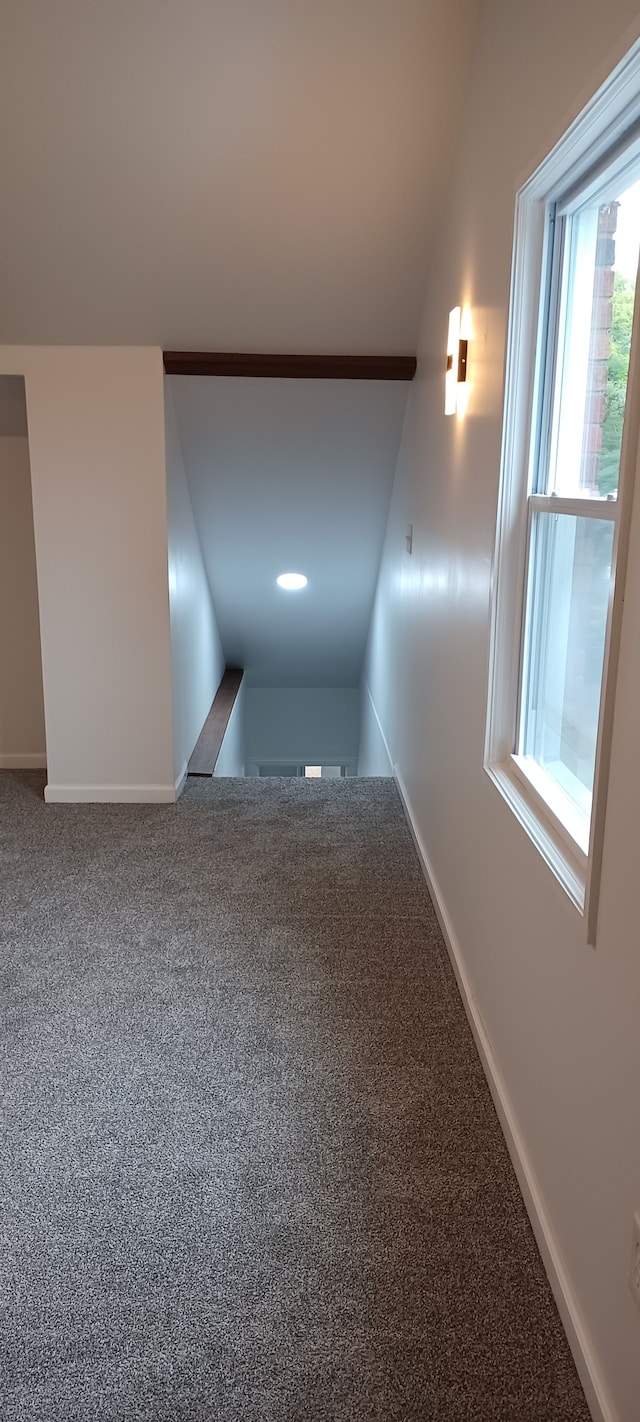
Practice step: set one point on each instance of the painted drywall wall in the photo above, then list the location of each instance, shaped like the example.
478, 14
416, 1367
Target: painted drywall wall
561, 1020
306, 725
374, 757
197, 659
96, 443
22, 732
233, 751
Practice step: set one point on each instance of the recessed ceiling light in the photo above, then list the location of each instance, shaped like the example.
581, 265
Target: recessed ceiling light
292, 581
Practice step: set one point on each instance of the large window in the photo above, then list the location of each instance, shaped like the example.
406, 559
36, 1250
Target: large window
568, 461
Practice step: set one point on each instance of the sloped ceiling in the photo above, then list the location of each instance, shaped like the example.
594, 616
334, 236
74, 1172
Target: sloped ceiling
291, 476
257, 175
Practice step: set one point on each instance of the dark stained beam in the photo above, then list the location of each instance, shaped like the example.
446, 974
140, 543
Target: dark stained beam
290, 367
207, 747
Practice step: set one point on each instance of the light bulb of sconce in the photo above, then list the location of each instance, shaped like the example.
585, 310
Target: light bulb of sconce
451, 377
464, 386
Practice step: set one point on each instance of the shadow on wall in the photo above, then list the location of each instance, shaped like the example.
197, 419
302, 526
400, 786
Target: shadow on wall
22, 729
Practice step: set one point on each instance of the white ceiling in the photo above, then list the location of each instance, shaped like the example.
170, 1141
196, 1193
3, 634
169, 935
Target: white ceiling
291, 476
225, 174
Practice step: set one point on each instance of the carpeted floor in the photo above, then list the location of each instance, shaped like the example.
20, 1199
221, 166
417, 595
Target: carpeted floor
251, 1171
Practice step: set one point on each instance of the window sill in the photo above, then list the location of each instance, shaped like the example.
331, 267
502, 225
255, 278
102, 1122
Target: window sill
561, 804
564, 856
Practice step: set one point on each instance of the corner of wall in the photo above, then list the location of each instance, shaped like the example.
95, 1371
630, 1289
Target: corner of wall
374, 755
197, 659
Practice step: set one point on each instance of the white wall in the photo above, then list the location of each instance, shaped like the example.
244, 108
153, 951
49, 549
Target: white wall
306, 725
22, 733
96, 441
374, 756
196, 653
560, 1020
233, 751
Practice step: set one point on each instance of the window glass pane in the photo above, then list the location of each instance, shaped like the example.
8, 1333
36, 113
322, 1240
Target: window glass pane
570, 568
596, 311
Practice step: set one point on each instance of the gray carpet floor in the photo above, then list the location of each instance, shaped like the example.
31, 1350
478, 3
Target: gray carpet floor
251, 1170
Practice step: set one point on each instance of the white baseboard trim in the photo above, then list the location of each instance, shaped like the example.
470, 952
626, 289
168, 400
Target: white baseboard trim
110, 794
596, 1393
23, 760
378, 722
180, 782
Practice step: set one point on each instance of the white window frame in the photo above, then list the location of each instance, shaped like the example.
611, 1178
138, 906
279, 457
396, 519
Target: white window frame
607, 126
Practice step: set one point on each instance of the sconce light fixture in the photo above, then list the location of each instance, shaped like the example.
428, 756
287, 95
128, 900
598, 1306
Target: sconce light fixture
457, 351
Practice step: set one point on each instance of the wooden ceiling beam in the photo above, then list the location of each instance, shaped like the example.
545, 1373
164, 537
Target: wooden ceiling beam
290, 367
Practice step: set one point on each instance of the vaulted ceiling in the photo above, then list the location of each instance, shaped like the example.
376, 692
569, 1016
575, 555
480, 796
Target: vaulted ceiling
225, 174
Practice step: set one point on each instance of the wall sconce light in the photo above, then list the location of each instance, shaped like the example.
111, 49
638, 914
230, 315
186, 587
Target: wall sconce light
456, 376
